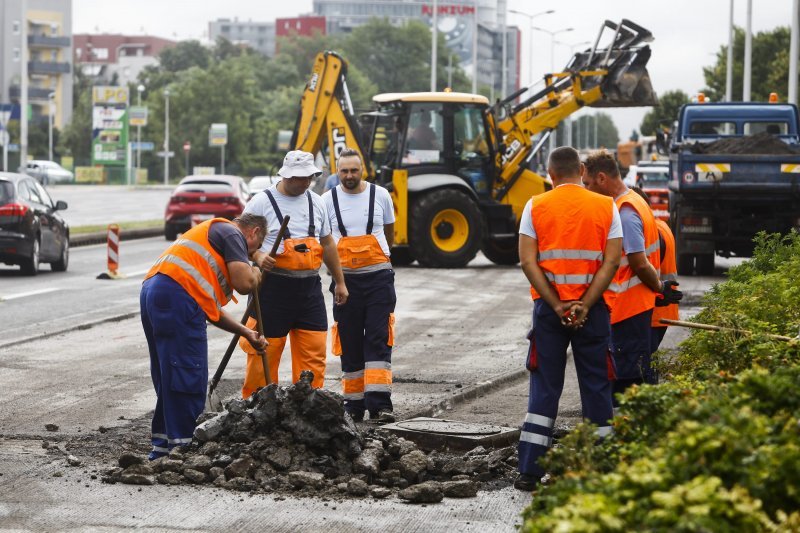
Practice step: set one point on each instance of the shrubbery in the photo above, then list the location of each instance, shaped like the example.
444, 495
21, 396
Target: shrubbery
716, 447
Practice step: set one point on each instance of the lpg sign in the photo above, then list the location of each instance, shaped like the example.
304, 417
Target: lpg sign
109, 95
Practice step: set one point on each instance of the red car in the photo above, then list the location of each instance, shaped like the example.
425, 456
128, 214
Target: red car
653, 179
198, 198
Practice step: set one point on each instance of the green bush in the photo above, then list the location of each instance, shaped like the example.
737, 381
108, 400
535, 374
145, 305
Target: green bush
717, 447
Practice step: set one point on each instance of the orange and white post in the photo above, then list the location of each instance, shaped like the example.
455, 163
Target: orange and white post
113, 254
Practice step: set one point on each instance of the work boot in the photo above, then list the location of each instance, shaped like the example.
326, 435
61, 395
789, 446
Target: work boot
527, 482
383, 416
356, 416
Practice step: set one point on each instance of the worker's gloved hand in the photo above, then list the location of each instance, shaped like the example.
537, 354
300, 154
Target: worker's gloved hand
669, 294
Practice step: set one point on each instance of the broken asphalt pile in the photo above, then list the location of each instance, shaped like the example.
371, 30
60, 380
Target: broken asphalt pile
757, 144
299, 440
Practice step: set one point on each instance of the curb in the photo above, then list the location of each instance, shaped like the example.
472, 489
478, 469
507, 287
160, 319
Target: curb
100, 237
467, 394
85, 325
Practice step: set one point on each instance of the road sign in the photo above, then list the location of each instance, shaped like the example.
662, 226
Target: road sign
144, 146
137, 116
166, 154
187, 146
218, 135
13, 148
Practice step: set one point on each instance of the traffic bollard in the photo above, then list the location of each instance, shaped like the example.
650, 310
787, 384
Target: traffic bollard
113, 254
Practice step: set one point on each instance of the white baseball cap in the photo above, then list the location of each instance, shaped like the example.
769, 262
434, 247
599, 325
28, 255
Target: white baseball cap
298, 164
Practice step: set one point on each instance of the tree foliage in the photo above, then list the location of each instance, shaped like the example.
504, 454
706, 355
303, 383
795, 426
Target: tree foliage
667, 109
770, 67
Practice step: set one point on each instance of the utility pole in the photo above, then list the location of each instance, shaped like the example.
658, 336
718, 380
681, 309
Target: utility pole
475, 49
793, 52
23, 106
50, 105
729, 66
434, 42
504, 56
748, 53
166, 136
139, 90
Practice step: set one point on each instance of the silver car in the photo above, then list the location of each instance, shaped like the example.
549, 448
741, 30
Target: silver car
48, 172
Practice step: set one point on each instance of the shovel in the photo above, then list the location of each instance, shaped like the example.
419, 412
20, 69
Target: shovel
709, 327
213, 401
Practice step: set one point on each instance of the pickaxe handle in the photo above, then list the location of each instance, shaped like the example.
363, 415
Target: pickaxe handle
229, 352
709, 327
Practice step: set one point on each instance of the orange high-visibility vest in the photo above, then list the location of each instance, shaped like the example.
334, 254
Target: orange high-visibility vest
631, 296
669, 271
299, 253
362, 251
572, 226
198, 268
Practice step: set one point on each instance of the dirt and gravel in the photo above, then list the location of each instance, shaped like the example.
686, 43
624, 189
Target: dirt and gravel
757, 144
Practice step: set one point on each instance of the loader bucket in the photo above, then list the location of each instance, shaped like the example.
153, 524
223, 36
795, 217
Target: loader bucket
625, 58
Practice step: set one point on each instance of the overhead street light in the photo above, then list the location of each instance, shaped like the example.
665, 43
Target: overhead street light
530, 20
50, 111
552, 35
139, 90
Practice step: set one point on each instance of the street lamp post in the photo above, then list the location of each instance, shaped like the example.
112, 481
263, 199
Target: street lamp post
552, 63
50, 104
569, 122
139, 90
530, 20
166, 136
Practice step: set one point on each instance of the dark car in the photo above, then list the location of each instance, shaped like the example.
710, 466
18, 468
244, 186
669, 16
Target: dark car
198, 198
31, 230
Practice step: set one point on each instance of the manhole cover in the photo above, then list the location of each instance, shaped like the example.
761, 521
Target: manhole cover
448, 427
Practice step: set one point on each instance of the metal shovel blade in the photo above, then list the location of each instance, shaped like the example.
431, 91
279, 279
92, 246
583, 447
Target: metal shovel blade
628, 82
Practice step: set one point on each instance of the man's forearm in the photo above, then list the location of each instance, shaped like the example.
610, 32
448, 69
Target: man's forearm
228, 323
649, 276
538, 280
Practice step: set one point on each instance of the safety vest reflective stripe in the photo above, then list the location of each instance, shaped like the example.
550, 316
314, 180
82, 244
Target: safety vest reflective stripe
590, 255
353, 395
378, 373
604, 431
294, 273
618, 288
569, 279
376, 387
655, 247
353, 375
367, 269
202, 252
204, 285
539, 420
535, 438
378, 364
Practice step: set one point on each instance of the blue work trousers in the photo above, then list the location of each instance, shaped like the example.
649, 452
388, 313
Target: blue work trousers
363, 324
175, 328
549, 341
630, 340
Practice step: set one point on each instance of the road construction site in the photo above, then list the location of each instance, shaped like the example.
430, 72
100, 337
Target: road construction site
77, 398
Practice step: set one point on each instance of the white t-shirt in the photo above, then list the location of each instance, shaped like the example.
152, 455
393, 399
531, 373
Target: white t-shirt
355, 209
526, 223
297, 209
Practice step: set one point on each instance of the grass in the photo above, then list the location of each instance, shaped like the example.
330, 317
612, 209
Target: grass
138, 224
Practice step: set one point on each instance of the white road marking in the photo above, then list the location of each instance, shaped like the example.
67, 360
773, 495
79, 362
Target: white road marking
29, 293
137, 272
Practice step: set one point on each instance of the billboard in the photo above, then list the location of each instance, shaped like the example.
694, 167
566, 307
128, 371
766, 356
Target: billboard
457, 23
109, 126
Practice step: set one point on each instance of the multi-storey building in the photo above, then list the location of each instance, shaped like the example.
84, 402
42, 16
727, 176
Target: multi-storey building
259, 36
116, 59
48, 52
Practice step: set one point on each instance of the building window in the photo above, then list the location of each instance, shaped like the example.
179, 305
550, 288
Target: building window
15, 54
100, 53
225, 29
15, 27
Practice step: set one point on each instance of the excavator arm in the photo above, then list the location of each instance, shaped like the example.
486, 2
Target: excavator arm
326, 113
612, 76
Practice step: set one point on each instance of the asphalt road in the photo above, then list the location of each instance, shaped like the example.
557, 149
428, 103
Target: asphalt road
457, 330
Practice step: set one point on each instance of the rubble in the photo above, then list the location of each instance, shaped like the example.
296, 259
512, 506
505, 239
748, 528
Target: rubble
756, 144
299, 440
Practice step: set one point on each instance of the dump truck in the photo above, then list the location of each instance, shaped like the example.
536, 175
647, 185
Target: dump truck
457, 166
734, 171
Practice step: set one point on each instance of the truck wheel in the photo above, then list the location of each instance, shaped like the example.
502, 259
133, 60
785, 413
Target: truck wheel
446, 229
685, 264
401, 256
170, 232
501, 252
705, 265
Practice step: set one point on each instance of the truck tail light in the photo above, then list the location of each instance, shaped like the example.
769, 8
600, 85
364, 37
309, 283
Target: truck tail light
696, 225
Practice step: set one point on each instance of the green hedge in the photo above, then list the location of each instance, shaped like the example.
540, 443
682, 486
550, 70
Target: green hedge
716, 447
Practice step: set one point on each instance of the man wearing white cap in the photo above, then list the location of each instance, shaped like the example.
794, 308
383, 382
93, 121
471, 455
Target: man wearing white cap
291, 295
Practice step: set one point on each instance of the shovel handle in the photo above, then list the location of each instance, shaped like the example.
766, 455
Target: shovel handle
229, 352
710, 327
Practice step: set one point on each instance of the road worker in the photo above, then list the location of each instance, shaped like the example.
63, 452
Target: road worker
637, 283
668, 272
291, 297
570, 245
361, 216
189, 284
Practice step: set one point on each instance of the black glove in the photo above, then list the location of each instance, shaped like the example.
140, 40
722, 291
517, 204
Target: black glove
668, 295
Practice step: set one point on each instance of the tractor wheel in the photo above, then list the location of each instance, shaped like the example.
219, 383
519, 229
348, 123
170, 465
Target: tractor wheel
446, 229
501, 252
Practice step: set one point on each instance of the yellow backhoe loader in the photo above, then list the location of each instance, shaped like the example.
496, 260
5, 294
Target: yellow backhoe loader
456, 165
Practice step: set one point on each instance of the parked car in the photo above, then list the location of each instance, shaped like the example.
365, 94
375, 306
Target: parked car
48, 172
31, 229
653, 179
259, 183
198, 198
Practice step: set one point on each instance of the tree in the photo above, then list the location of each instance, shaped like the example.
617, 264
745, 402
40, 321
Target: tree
667, 109
770, 67
185, 55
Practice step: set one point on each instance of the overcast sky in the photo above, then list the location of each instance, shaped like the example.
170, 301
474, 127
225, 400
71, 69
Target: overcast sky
687, 32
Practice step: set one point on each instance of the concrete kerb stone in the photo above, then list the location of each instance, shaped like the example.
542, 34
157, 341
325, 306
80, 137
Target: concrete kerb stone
84, 325
100, 237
